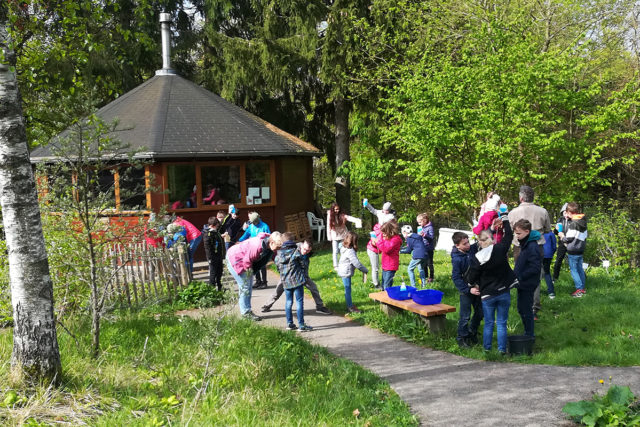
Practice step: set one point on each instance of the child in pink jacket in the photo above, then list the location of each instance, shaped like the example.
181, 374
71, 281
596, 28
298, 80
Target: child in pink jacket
389, 244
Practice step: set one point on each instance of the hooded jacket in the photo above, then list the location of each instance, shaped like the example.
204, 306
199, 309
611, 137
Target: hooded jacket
427, 235
460, 262
349, 262
529, 262
390, 252
254, 229
415, 247
292, 265
370, 245
192, 231
247, 254
490, 268
213, 243
576, 235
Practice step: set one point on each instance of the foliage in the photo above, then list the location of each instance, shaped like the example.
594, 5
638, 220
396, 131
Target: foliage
600, 329
487, 96
618, 407
614, 235
68, 49
201, 294
166, 370
80, 193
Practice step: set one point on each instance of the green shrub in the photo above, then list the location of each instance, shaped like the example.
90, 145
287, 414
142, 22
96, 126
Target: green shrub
617, 407
201, 294
614, 235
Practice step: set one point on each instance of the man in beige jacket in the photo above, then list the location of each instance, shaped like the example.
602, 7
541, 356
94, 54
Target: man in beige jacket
539, 219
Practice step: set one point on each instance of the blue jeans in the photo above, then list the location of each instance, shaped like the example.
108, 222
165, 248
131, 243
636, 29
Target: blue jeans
412, 277
466, 328
299, 294
245, 283
387, 278
577, 271
191, 249
546, 266
346, 281
525, 309
500, 304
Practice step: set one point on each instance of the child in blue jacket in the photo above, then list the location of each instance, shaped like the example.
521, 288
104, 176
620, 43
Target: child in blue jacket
527, 269
415, 247
549, 248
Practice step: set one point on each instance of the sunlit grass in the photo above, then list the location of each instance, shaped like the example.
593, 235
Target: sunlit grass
163, 370
602, 328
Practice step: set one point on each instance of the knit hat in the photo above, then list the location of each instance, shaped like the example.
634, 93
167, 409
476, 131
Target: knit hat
232, 209
386, 206
492, 203
254, 217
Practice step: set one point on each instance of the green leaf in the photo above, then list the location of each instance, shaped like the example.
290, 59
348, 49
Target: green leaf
620, 395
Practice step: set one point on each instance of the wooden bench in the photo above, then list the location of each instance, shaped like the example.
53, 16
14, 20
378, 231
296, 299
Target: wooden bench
434, 316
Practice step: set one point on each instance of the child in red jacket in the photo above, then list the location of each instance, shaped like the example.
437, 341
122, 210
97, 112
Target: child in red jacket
389, 244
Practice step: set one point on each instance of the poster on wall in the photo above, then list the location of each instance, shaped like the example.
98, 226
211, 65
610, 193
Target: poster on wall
266, 193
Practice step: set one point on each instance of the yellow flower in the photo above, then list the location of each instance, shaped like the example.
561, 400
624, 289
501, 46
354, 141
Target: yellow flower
601, 381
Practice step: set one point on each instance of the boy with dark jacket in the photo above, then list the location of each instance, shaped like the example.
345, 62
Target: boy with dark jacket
215, 250
415, 247
461, 256
575, 239
527, 269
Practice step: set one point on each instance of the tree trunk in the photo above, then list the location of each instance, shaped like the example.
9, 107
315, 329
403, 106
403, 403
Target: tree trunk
35, 343
343, 187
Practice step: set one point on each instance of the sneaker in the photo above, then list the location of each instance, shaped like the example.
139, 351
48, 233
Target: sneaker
261, 285
291, 327
577, 293
266, 308
252, 316
463, 343
552, 296
323, 310
353, 309
304, 328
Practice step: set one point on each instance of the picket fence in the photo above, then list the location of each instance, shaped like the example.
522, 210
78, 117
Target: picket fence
141, 272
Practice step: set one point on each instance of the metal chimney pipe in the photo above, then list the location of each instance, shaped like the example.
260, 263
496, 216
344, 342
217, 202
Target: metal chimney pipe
165, 20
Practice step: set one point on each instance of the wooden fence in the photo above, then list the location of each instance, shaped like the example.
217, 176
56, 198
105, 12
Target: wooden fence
140, 272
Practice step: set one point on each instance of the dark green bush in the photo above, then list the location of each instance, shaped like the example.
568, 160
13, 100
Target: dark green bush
201, 294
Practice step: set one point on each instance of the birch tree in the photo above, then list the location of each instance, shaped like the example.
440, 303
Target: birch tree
35, 344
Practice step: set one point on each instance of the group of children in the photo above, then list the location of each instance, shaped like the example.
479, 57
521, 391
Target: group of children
384, 240
484, 278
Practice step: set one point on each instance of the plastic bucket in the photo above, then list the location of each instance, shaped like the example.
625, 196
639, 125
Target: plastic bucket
521, 344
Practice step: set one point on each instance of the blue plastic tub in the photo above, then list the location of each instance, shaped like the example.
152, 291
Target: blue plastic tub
427, 296
395, 292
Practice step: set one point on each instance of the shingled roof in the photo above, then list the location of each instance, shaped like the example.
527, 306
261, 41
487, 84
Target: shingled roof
170, 117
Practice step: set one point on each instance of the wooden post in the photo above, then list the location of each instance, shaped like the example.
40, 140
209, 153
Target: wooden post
137, 265
184, 270
123, 265
133, 276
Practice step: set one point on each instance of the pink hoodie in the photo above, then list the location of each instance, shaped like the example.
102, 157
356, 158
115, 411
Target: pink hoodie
241, 255
192, 232
390, 252
370, 245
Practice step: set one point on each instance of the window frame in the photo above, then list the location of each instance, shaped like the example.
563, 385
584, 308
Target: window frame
241, 164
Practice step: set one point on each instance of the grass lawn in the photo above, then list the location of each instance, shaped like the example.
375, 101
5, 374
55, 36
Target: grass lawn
158, 369
602, 328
